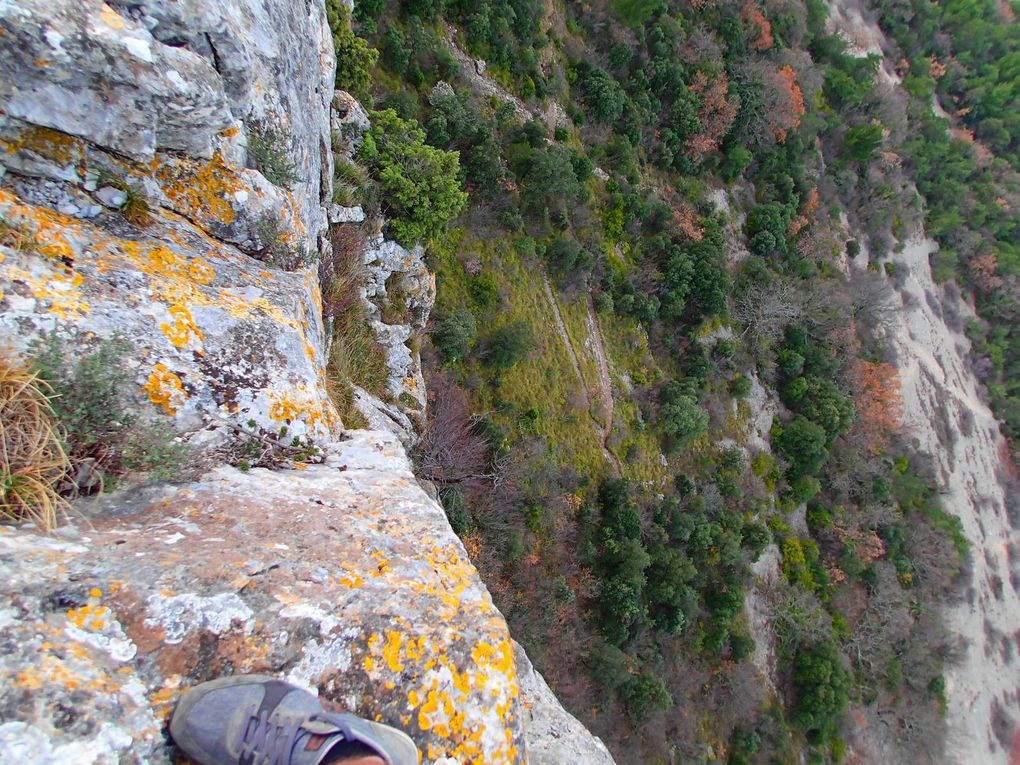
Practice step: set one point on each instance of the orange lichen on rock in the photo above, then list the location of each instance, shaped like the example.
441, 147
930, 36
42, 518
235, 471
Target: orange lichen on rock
303, 407
183, 329
165, 389
200, 190
52, 144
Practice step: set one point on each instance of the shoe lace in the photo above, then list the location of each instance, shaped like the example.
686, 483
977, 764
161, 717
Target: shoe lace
265, 741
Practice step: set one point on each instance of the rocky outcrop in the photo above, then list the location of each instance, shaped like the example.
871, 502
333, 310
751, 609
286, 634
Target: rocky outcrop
399, 292
131, 208
342, 577
146, 108
398, 289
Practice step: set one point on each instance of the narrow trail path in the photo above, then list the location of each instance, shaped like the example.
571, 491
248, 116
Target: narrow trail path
605, 382
606, 393
562, 329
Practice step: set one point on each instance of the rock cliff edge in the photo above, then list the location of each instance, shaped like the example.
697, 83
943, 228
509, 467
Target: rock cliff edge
126, 163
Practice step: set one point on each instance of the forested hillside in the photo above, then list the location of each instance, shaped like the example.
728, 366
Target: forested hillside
664, 409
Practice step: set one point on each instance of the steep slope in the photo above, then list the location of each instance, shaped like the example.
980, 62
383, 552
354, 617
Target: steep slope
946, 414
166, 174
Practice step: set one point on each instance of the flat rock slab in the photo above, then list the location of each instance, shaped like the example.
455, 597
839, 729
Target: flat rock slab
342, 577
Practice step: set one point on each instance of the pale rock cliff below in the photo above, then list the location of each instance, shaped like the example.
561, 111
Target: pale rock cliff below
342, 576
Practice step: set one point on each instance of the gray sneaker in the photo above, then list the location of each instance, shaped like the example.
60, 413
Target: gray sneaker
259, 720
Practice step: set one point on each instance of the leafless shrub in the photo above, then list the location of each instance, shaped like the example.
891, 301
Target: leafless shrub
766, 309
451, 451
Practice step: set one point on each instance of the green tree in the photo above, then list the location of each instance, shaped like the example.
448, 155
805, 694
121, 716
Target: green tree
822, 686
418, 183
861, 142
455, 334
354, 58
680, 416
821, 402
766, 228
646, 694
802, 444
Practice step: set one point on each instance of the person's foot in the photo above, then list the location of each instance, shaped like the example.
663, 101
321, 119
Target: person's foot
259, 720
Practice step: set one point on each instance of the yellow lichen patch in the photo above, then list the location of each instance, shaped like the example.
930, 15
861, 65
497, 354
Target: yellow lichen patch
165, 389
391, 651
302, 407
201, 272
351, 580
60, 289
201, 190
183, 329
88, 617
111, 18
381, 564
52, 144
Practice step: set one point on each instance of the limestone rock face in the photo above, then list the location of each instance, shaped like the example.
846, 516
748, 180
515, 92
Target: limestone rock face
343, 577
399, 292
554, 736
148, 105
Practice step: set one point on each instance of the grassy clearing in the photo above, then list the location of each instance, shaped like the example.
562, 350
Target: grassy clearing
540, 395
32, 458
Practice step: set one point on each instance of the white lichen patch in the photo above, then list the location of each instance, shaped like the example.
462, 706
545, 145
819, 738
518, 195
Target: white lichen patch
333, 655
180, 614
111, 640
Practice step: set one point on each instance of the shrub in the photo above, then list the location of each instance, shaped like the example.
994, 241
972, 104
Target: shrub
509, 344
268, 153
455, 334
274, 248
644, 695
740, 386
88, 401
33, 460
566, 254
419, 184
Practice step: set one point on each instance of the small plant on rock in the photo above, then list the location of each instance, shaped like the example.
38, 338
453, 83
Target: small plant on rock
104, 439
16, 238
267, 150
136, 208
274, 248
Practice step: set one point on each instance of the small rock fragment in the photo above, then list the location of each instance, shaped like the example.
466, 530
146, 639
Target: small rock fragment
111, 197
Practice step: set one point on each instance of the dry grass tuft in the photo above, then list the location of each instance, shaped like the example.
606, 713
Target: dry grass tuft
32, 458
15, 238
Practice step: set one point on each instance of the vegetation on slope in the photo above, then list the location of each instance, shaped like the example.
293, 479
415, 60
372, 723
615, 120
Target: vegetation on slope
621, 547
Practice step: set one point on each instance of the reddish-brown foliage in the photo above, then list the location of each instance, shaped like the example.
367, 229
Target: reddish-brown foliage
450, 451
686, 219
879, 401
339, 269
786, 104
757, 27
982, 271
716, 114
